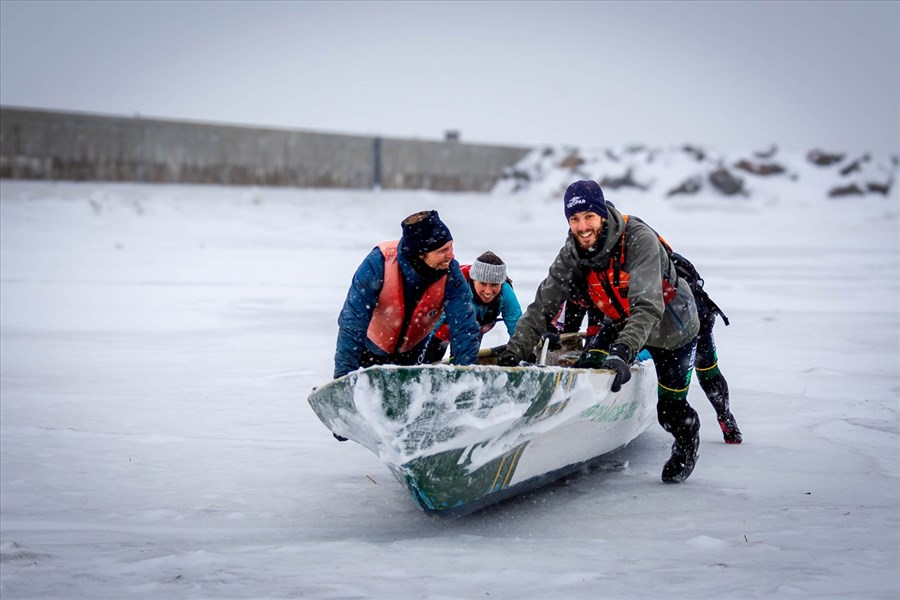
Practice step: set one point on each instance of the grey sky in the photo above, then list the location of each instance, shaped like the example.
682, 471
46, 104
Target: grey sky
731, 75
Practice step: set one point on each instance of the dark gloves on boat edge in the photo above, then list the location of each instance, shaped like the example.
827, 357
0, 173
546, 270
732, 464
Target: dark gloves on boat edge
618, 361
508, 359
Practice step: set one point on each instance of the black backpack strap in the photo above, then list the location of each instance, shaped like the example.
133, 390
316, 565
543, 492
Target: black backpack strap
689, 272
701, 297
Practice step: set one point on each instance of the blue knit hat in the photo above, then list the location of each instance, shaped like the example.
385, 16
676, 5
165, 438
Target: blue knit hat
424, 232
584, 195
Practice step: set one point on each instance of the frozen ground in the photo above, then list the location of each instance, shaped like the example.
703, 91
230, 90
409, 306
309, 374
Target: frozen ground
158, 344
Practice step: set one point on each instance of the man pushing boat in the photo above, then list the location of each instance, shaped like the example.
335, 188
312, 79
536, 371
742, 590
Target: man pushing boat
398, 295
620, 263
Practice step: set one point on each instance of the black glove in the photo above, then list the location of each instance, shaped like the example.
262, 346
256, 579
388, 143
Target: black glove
339, 438
553, 341
508, 359
618, 361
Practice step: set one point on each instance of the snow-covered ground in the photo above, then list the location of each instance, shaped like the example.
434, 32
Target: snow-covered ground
158, 344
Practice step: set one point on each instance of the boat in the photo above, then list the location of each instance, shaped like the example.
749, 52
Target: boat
460, 438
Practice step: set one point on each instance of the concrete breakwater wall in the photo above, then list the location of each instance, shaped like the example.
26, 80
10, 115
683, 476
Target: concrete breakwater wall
51, 145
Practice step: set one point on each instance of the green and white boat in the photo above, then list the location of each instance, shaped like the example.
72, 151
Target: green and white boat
462, 438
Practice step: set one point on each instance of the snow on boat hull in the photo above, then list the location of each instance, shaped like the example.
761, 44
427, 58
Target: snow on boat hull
462, 438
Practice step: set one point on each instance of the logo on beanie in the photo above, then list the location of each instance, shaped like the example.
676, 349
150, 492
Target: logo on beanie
576, 201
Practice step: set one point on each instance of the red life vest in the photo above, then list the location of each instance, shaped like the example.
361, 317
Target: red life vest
386, 326
609, 290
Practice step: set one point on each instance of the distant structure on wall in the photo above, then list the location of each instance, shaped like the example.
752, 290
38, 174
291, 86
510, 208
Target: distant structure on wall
53, 145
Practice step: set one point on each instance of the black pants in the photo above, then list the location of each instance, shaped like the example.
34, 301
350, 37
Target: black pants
706, 342
673, 378
674, 368
707, 364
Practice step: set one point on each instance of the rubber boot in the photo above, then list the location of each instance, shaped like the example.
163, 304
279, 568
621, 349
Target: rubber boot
716, 390
682, 421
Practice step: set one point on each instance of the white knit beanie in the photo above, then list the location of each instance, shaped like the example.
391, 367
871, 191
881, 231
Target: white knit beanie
488, 268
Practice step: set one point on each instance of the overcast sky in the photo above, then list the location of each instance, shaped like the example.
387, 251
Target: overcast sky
729, 75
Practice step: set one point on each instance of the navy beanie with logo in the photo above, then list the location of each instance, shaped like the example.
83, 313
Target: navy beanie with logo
424, 232
584, 195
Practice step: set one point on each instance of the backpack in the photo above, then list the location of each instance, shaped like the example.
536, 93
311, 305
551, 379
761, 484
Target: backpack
687, 271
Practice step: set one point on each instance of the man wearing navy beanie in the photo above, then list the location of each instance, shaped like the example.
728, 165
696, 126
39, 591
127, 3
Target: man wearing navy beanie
620, 264
424, 232
584, 196
397, 296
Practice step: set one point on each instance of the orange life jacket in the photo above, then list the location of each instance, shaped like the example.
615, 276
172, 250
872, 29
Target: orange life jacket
609, 290
386, 329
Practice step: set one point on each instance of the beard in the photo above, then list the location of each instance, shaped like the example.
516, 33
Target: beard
594, 243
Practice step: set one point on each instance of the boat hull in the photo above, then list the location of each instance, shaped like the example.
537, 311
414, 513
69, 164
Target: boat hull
462, 438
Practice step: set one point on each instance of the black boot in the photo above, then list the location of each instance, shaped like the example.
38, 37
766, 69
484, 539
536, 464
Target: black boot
730, 430
684, 424
716, 390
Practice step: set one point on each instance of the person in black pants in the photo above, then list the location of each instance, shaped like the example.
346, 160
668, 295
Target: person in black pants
622, 266
706, 363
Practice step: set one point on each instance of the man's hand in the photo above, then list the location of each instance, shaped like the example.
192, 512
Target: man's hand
553, 341
508, 359
618, 361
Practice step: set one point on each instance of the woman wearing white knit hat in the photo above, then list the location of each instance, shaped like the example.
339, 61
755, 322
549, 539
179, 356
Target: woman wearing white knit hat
493, 299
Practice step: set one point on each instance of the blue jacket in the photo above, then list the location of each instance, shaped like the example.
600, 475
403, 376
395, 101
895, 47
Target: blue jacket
353, 322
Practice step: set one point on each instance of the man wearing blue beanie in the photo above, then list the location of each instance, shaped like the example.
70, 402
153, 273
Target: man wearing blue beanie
397, 296
621, 265
584, 196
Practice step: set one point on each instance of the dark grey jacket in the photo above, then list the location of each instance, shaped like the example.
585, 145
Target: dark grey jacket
651, 322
